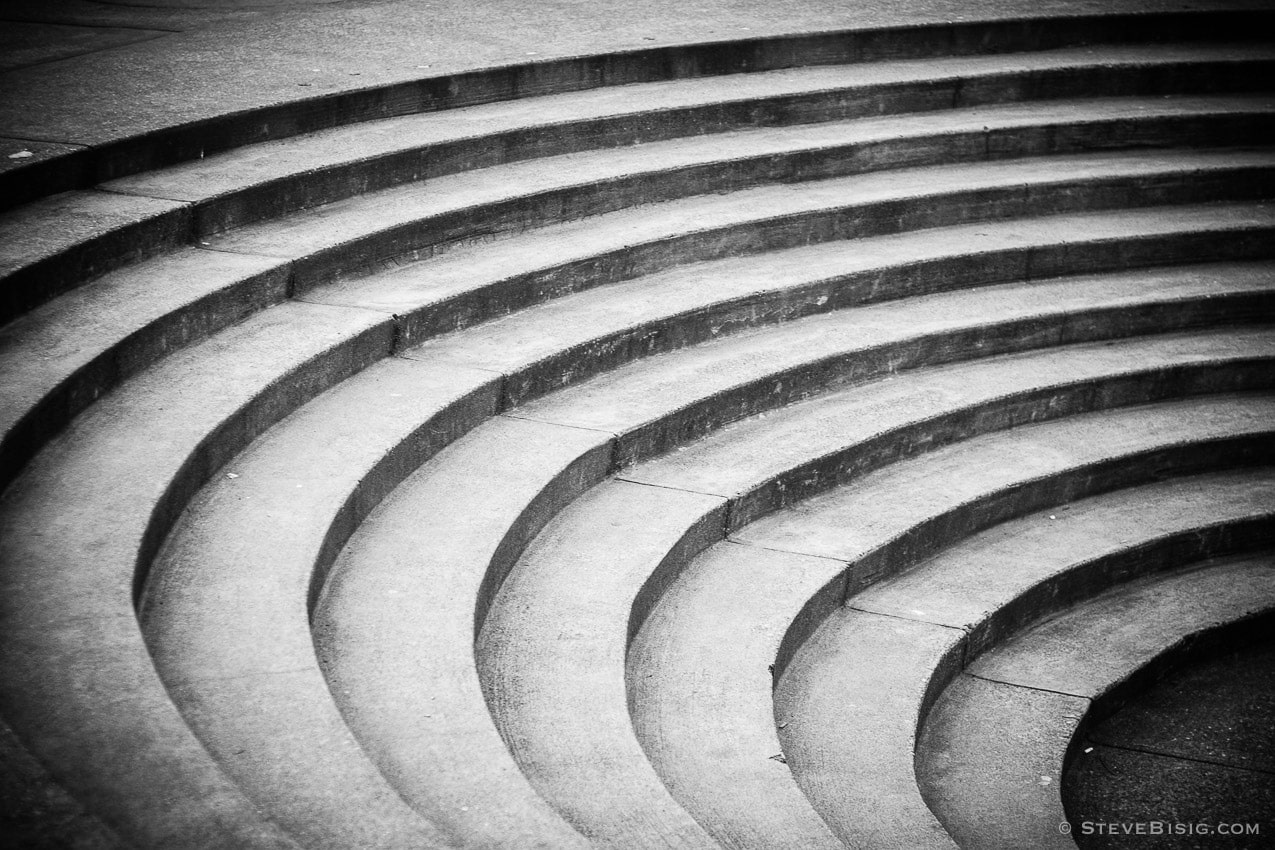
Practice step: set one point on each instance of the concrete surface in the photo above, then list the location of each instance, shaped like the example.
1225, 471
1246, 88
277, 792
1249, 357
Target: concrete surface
965, 762
746, 271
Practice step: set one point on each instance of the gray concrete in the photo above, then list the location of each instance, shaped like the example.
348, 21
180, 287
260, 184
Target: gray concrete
853, 698
226, 613
533, 201
221, 63
77, 524
395, 628
964, 762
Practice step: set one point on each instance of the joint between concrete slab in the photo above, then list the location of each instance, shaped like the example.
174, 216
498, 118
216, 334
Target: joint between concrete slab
1027, 687
615, 436
752, 545
959, 629
1150, 752
730, 500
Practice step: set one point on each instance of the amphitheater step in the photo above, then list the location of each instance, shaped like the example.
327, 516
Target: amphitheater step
274, 178
395, 627
852, 700
77, 531
557, 692
1039, 686
426, 551
1197, 740
365, 233
231, 644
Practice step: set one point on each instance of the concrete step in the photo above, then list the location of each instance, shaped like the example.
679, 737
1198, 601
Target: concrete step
202, 632
661, 402
53, 374
856, 693
275, 178
552, 650
1039, 686
696, 667
432, 737
77, 532
654, 231
118, 153
46, 258
1195, 739
225, 613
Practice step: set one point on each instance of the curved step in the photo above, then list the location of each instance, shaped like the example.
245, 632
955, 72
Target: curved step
555, 690
226, 605
143, 214
52, 375
699, 693
120, 153
275, 178
657, 230
78, 529
448, 536
1196, 740
344, 451
1039, 686
852, 700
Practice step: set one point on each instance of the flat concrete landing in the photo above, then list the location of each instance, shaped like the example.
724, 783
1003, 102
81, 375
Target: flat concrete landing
85, 80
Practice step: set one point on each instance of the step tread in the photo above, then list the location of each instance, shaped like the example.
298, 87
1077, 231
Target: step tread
589, 766
310, 232
53, 225
942, 611
406, 683
474, 490
885, 504
1004, 785
568, 723
62, 355
243, 167
626, 398
74, 588
223, 635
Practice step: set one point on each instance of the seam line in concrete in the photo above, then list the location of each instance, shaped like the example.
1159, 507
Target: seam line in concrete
1026, 687
908, 619
844, 563
97, 26
613, 434
244, 253
619, 477
1179, 757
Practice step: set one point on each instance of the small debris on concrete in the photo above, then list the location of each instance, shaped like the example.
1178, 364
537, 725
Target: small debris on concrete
779, 757
22, 154
232, 474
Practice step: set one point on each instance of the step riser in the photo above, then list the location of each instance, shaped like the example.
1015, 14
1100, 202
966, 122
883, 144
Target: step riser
33, 285
927, 538
1200, 646
430, 237
1053, 402
861, 288
526, 290
192, 141
1086, 581
314, 188
249, 422
1049, 403
777, 390
174, 331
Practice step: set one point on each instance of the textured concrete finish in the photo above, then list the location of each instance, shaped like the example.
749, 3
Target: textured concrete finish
438, 425
966, 762
843, 713
563, 612
406, 683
